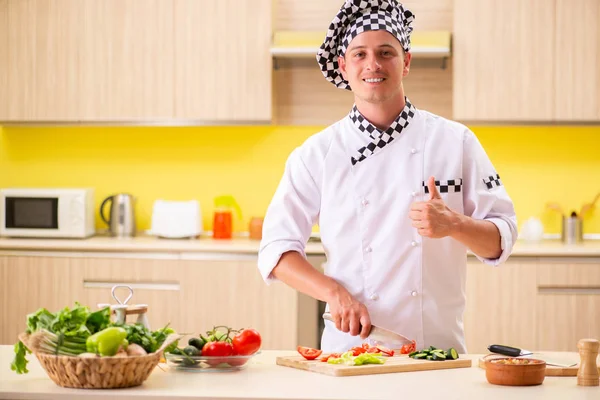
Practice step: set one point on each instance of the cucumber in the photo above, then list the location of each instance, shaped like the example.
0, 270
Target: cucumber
452, 354
435, 354
196, 342
191, 351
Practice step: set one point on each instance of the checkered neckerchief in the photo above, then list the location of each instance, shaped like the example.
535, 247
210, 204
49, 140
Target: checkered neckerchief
379, 139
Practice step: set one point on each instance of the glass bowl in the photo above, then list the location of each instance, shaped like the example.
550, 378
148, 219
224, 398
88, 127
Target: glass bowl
184, 362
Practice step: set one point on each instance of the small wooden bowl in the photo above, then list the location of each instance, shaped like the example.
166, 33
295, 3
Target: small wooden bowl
510, 371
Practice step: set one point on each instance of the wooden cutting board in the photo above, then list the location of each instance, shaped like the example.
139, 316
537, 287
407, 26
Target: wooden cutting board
551, 370
400, 363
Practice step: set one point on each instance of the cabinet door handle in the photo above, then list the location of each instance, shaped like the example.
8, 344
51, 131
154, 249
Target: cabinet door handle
174, 286
569, 290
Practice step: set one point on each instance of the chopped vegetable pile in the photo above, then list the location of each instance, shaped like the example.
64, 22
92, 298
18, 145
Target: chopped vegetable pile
434, 354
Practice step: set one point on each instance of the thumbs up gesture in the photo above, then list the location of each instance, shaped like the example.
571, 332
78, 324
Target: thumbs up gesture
432, 218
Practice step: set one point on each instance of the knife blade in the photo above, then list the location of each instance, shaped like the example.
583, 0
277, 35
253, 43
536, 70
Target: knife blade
381, 335
522, 353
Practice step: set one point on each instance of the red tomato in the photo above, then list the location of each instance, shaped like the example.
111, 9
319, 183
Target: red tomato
385, 350
217, 349
309, 353
408, 348
358, 350
246, 342
332, 355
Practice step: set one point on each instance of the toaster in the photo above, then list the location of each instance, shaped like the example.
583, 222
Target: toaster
176, 219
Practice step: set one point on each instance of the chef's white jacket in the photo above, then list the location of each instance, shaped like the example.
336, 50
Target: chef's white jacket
410, 284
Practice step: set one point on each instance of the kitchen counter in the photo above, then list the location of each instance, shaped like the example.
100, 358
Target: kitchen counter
263, 379
148, 244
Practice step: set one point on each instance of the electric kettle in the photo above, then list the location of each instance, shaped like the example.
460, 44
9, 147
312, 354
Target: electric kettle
121, 220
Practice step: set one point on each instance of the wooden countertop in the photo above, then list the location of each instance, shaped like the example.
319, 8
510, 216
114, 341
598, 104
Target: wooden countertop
263, 379
144, 244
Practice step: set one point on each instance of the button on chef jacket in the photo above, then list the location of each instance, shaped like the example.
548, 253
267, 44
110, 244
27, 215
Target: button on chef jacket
410, 284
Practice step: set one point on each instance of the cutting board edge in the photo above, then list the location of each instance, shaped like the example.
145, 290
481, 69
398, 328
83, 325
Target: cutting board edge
342, 370
391, 369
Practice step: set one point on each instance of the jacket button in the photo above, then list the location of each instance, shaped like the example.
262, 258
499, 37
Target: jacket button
413, 293
413, 150
374, 297
365, 202
413, 194
414, 244
368, 249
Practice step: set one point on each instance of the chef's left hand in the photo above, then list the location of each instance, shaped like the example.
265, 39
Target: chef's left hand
433, 218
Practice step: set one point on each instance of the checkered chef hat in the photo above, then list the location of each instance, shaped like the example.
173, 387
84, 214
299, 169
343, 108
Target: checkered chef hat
355, 17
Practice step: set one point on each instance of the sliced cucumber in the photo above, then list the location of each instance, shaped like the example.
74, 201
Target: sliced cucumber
452, 354
435, 354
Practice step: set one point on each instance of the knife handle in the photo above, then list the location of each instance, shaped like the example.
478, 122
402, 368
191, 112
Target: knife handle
505, 350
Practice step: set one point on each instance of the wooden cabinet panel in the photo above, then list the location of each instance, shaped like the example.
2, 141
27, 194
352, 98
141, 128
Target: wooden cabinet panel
30, 283
126, 60
504, 57
3, 59
72, 60
155, 282
501, 305
222, 60
568, 303
42, 62
577, 66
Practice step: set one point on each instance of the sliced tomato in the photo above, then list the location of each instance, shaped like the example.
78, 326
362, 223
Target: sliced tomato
358, 350
408, 348
373, 349
385, 350
309, 353
327, 357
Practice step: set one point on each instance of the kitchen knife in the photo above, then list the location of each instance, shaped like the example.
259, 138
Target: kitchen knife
381, 335
508, 351
516, 352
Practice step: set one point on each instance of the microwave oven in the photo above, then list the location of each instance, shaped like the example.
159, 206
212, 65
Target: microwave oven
47, 213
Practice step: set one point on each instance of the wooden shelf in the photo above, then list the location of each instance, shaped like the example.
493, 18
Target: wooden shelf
299, 44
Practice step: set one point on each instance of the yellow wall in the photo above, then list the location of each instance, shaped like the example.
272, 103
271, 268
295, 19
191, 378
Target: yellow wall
537, 165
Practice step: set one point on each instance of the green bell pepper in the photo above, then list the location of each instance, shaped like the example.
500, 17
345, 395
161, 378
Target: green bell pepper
107, 341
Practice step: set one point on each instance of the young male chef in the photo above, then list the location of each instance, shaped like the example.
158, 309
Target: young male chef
399, 195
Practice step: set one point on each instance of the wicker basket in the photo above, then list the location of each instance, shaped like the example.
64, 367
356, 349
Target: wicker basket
100, 372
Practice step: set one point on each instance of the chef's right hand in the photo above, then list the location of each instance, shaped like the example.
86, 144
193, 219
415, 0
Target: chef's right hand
349, 315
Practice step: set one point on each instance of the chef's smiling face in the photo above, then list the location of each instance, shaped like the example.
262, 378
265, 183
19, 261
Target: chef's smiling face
374, 65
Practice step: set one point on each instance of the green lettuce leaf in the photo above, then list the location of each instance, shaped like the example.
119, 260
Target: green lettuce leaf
19, 363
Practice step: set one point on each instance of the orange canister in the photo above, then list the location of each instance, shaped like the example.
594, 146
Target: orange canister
255, 228
223, 217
